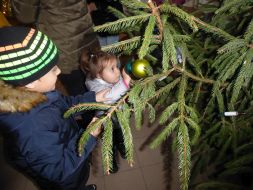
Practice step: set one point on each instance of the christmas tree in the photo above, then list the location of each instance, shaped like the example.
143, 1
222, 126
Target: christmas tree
199, 78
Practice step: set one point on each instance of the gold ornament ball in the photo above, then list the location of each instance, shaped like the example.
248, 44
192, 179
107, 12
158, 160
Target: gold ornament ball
139, 68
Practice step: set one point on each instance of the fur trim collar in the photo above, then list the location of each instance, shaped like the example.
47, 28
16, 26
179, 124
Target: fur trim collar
16, 99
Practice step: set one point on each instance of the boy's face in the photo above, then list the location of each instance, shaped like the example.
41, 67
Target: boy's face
111, 72
47, 82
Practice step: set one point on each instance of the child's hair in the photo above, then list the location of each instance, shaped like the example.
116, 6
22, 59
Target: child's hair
95, 62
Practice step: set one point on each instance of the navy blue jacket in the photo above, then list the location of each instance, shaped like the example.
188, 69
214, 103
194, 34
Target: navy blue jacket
42, 144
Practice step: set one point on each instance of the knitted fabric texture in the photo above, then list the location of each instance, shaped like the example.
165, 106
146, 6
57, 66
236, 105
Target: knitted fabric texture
26, 55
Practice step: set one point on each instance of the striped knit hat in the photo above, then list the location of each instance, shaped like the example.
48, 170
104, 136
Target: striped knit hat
25, 55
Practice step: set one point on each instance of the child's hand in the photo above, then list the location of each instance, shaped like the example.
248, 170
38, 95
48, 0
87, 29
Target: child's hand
126, 77
100, 96
97, 131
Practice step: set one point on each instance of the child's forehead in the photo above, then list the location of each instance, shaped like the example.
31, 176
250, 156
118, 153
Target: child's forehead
111, 62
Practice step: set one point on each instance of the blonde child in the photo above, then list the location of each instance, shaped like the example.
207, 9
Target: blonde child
102, 71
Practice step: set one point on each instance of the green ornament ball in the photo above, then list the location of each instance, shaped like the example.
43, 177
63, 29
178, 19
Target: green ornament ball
140, 67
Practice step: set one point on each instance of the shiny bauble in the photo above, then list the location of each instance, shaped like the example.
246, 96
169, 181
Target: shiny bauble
140, 68
128, 67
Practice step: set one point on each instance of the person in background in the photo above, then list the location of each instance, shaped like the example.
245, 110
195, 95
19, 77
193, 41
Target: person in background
38, 141
69, 25
100, 15
103, 73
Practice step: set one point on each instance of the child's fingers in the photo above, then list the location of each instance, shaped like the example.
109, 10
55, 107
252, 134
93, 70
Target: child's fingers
101, 95
94, 119
105, 91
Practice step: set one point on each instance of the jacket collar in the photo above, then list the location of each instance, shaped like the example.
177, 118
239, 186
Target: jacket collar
16, 99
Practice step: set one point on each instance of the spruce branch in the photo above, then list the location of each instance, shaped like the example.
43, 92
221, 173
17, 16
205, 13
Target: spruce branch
166, 89
124, 45
148, 91
231, 4
184, 16
224, 75
138, 109
224, 148
152, 113
116, 12
244, 148
129, 44
248, 35
181, 97
162, 91
212, 130
192, 76
117, 105
224, 61
156, 77
107, 145
86, 134
233, 46
192, 61
123, 118
236, 171
86, 106
196, 129
212, 29
167, 131
169, 50
168, 112
184, 151
220, 100
147, 37
192, 113
195, 95
241, 161
243, 74
178, 38
122, 24
133, 4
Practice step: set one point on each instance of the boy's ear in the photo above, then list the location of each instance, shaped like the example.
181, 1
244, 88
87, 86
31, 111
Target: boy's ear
31, 85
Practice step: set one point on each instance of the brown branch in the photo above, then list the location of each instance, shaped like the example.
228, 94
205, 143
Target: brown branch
203, 23
194, 77
115, 107
156, 13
